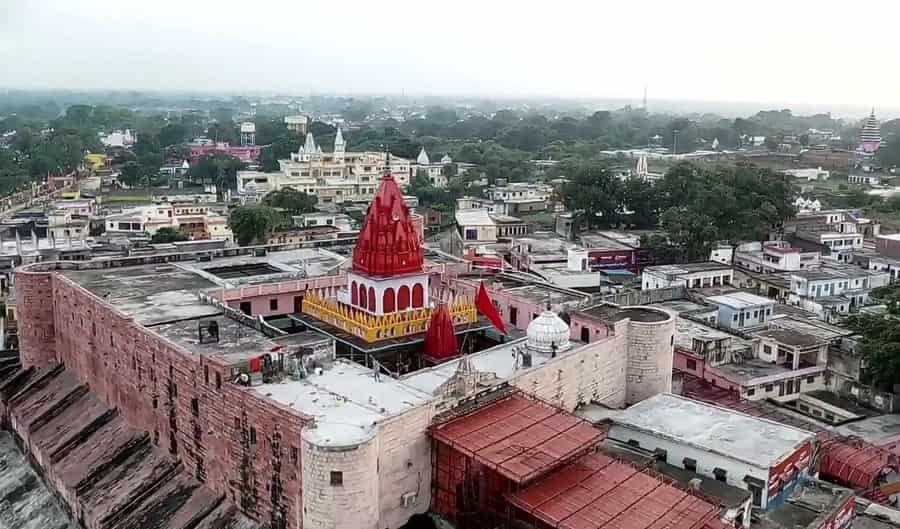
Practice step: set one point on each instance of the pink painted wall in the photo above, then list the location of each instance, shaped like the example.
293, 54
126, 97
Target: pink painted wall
680, 362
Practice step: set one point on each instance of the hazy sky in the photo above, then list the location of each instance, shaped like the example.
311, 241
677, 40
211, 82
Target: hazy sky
765, 50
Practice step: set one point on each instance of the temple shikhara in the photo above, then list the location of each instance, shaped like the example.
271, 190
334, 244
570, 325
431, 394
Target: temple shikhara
870, 135
388, 302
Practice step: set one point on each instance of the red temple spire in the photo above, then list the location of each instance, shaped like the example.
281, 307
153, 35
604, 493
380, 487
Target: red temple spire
388, 244
440, 339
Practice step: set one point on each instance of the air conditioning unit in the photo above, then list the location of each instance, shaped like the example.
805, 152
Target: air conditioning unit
409, 499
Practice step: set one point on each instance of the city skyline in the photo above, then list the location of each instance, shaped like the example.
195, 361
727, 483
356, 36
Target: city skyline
605, 52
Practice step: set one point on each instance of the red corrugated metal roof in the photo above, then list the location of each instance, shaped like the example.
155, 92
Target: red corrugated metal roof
598, 491
518, 437
854, 462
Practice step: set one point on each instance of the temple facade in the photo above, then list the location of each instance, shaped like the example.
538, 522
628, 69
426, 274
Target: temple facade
335, 177
388, 295
870, 135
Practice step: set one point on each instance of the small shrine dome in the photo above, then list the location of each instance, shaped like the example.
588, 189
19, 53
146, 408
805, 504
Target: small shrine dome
548, 333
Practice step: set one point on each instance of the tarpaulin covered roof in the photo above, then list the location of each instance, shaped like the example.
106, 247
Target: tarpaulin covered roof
599, 491
854, 462
518, 437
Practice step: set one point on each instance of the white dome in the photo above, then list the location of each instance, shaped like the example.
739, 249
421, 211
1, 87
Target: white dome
546, 331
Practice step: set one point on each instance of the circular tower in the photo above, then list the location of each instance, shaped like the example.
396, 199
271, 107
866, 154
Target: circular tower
340, 477
651, 345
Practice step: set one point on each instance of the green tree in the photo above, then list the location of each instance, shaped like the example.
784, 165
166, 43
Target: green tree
880, 340
219, 170
172, 134
594, 195
291, 200
167, 235
253, 224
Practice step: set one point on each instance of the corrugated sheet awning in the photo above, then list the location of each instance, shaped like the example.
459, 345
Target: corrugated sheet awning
518, 437
599, 491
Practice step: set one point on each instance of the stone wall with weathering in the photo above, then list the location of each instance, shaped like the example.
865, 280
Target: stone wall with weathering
34, 303
593, 373
239, 445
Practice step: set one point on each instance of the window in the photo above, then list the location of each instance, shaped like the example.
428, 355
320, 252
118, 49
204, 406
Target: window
218, 381
195, 406
634, 442
689, 464
513, 315
810, 380
337, 478
721, 474
585, 335
246, 308
769, 388
691, 364
206, 374
751, 392
295, 455
471, 235
273, 304
734, 318
767, 349
252, 435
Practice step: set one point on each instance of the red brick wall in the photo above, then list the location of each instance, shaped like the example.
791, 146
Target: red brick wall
154, 383
34, 295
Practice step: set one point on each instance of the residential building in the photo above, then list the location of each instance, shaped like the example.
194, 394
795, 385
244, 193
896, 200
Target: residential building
335, 177
195, 221
809, 175
248, 133
886, 264
304, 234
834, 292
340, 221
689, 275
475, 226
79, 207
517, 190
767, 458
246, 153
773, 257
888, 245
297, 124
740, 311
864, 179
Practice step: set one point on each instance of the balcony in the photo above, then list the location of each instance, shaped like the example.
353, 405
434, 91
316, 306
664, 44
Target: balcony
373, 328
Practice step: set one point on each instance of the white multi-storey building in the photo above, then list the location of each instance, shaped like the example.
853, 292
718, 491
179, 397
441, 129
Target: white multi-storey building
335, 177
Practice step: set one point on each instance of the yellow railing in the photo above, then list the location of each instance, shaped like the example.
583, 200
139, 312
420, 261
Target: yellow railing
373, 328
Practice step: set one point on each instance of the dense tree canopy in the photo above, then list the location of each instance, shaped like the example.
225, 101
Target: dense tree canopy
167, 235
253, 224
696, 205
880, 340
291, 201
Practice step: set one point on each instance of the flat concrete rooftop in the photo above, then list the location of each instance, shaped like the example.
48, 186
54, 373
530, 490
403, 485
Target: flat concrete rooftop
151, 294
347, 401
759, 442
753, 369
613, 313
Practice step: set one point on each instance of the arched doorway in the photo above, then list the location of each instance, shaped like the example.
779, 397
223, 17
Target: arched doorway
354, 295
418, 296
371, 299
362, 296
403, 298
388, 301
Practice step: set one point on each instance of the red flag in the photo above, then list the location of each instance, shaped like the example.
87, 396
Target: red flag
485, 306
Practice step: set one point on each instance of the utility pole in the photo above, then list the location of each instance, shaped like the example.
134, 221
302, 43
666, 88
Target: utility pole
674, 141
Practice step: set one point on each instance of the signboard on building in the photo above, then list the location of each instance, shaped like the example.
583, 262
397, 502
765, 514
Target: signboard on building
841, 518
787, 470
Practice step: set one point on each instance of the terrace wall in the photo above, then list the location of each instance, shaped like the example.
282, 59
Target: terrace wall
234, 441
